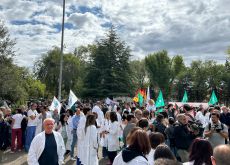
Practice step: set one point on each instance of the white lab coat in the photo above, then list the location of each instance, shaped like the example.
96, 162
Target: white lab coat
69, 134
199, 116
150, 156
38, 144
113, 137
81, 136
105, 127
90, 146
139, 160
100, 114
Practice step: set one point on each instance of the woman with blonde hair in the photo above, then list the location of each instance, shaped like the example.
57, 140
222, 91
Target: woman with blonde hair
104, 135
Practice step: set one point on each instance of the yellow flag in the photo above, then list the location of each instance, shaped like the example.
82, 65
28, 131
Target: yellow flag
135, 99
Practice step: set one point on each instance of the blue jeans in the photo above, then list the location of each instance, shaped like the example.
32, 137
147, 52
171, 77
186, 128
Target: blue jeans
30, 133
74, 141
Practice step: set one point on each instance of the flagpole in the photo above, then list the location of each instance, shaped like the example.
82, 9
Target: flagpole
61, 60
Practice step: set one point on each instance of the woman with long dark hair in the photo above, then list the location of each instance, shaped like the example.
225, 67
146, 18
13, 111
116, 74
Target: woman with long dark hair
113, 137
200, 153
90, 142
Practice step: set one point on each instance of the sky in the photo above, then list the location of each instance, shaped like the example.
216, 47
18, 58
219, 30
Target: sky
197, 30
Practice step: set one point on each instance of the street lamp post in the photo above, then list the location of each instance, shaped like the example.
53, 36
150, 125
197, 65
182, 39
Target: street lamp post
61, 59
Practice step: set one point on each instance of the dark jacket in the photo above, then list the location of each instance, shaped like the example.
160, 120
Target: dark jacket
4, 135
225, 118
183, 137
129, 154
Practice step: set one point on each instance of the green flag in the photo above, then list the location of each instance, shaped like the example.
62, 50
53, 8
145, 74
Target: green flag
185, 97
213, 100
140, 99
160, 101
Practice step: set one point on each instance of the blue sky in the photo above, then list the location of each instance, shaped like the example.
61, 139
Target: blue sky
198, 30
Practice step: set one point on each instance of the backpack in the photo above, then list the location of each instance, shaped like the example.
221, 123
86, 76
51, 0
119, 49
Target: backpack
195, 124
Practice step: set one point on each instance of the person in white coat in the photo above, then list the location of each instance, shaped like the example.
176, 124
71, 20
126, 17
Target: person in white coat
90, 145
69, 130
47, 146
113, 137
100, 114
155, 138
138, 147
104, 135
81, 134
40, 119
200, 115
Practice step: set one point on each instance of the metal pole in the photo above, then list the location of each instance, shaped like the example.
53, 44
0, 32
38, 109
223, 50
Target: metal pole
61, 60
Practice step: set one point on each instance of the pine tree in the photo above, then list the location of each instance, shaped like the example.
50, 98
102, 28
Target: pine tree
108, 72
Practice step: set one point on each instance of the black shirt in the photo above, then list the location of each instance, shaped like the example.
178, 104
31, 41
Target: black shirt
183, 138
49, 154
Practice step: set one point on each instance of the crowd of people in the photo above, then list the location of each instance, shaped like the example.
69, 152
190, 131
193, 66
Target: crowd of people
127, 134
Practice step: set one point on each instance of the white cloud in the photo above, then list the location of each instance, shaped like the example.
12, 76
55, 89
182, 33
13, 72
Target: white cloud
195, 29
83, 20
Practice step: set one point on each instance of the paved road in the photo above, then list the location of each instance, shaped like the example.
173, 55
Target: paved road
19, 158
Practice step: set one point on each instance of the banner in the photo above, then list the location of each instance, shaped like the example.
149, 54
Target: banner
148, 94
72, 99
213, 100
185, 97
55, 105
160, 101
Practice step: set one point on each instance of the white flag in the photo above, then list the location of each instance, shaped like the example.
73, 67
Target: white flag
55, 105
108, 101
72, 99
148, 95
5, 105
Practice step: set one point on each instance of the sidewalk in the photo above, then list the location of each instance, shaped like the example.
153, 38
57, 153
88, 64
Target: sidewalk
20, 158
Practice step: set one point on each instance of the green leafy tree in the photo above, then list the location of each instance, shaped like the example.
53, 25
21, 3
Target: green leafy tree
199, 77
158, 65
177, 66
35, 88
205, 76
12, 85
6, 45
163, 70
138, 73
47, 71
108, 70
12, 82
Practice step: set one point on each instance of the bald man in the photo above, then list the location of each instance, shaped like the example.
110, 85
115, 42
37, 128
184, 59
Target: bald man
221, 155
47, 147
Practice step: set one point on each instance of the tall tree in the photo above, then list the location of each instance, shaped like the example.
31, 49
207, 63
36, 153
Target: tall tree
206, 76
163, 70
6, 45
12, 82
47, 70
158, 65
138, 73
108, 71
